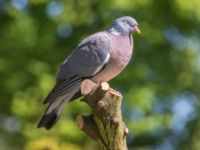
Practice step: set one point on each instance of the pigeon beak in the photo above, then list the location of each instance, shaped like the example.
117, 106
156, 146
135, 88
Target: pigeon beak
136, 29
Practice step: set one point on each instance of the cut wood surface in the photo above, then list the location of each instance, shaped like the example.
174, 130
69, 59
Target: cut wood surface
105, 124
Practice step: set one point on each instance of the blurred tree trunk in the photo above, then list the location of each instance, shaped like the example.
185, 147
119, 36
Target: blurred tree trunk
105, 124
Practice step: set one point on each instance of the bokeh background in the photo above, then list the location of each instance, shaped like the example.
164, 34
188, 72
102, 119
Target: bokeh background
161, 85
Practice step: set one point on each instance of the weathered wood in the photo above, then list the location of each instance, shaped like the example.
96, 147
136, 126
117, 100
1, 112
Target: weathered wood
105, 125
87, 124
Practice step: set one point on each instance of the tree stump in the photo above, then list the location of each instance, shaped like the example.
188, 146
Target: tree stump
105, 124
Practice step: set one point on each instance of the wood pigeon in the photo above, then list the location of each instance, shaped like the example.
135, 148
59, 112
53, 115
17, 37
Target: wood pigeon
99, 57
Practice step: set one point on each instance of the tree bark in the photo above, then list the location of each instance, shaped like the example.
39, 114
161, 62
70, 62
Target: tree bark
105, 124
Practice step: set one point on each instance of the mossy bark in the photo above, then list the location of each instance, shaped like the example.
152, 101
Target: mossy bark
105, 124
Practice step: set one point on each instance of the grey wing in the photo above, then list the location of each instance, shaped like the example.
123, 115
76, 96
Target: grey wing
86, 60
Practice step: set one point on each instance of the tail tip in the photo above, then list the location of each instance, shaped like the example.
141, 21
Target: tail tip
47, 121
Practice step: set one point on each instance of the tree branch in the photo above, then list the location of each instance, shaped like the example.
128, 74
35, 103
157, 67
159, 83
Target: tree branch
105, 125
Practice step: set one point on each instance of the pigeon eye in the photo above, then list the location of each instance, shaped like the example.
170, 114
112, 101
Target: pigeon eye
130, 24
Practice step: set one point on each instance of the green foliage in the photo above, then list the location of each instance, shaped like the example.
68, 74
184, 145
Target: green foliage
160, 86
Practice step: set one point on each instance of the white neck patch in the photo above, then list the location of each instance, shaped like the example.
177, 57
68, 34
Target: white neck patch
113, 31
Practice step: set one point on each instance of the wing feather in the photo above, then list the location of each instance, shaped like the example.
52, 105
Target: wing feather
91, 55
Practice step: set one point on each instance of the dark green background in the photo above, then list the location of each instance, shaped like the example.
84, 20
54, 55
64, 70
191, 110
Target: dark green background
160, 86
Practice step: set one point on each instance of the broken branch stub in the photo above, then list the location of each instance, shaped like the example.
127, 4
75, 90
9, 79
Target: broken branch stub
105, 125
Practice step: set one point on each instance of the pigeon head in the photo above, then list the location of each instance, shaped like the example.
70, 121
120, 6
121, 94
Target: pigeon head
124, 26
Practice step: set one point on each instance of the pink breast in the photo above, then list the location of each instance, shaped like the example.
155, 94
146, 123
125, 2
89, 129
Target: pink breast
120, 54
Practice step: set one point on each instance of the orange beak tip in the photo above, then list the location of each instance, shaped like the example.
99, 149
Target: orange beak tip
137, 30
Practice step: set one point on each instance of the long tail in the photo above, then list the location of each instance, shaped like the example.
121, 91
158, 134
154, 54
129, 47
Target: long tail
56, 103
48, 120
52, 112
